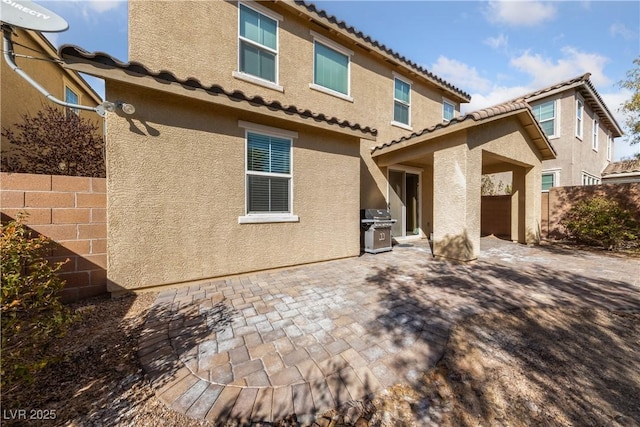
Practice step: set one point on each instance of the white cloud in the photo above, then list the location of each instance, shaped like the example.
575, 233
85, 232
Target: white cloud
519, 13
546, 71
461, 74
496, 95
621, 30
500, 42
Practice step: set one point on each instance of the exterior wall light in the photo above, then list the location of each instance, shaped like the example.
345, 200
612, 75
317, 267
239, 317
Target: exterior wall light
110, 107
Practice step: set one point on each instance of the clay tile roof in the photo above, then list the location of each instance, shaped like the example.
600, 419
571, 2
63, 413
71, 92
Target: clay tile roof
591, 97
314, 10
104, 60
477, 116
623, 166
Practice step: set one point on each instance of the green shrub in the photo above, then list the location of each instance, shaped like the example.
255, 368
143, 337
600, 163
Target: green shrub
599, 221
32, 314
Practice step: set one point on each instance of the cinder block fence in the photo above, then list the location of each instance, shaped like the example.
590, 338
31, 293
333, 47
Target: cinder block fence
72, 212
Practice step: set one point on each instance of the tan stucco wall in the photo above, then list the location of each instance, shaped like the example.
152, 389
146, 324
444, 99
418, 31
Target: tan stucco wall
19, 97
212, 32
176, 187
575, 155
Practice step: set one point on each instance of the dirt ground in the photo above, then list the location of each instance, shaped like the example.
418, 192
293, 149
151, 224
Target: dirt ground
539, 367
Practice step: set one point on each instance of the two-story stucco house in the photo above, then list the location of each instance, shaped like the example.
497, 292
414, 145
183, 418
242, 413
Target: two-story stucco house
262, 129
581, 128
38, 58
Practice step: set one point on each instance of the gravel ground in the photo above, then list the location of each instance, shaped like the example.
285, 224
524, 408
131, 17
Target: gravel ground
523, 368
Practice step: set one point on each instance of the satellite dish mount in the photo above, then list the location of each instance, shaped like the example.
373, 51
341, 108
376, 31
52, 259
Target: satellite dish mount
31, 16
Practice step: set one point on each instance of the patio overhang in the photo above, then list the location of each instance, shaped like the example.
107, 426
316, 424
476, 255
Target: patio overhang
429, 140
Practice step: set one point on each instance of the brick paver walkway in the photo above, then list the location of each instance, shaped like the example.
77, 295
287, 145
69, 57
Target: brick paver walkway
304, 340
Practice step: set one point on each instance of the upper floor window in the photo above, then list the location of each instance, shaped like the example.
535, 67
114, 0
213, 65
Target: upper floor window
609, 146
448, 110
579, 117
546, 115
594, 137
402, 102
331, 67
72, 98
258, 44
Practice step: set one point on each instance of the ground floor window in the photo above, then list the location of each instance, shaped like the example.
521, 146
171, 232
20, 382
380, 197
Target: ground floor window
549, 179
268, 174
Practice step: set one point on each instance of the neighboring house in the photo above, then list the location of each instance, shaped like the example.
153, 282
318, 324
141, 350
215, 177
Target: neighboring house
581, 129
269, 127
39, 59
622, 172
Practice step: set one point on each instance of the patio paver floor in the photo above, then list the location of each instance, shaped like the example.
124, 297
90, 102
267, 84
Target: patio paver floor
307, 339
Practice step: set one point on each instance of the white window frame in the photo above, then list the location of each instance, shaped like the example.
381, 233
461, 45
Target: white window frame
556, 118
556, 178
453, 104
406, 126
330, 44
266, 217
609, 146
240, 75
594, 135
589, 179
579, 118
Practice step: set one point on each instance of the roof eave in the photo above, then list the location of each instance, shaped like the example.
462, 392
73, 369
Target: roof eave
303, 8
114, 73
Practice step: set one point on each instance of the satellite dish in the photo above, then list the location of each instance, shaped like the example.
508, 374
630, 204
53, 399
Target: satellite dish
27, 14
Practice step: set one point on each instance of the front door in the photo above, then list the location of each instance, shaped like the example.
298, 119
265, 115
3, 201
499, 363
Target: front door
404, 193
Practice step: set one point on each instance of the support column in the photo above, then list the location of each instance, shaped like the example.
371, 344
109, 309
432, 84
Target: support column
457, 174
525, 205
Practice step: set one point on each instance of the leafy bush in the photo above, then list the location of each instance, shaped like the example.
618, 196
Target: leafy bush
32, 313
54, 142
599, 221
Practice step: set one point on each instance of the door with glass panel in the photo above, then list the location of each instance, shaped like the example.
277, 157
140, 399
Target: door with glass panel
404, 202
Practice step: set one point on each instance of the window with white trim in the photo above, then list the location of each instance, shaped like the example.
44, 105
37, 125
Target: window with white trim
579, 118
402, 101
331, 67
594, 136
588, 179
546, 115
548, 181
72, 98
448, 110
609, 146
258, 44
268, 174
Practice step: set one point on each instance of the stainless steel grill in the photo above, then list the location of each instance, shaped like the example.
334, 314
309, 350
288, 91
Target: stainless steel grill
376, 226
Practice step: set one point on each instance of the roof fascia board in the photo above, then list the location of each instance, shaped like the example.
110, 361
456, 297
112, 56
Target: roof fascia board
336, 30
581, 86
52, 53
465, 125
177, 89
447, 130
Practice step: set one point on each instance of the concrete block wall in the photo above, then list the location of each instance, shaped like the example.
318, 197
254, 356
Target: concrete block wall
72, 212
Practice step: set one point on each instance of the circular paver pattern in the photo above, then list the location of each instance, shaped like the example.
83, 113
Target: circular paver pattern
304, 340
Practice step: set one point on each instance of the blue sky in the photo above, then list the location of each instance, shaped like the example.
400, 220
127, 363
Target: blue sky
493, 50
